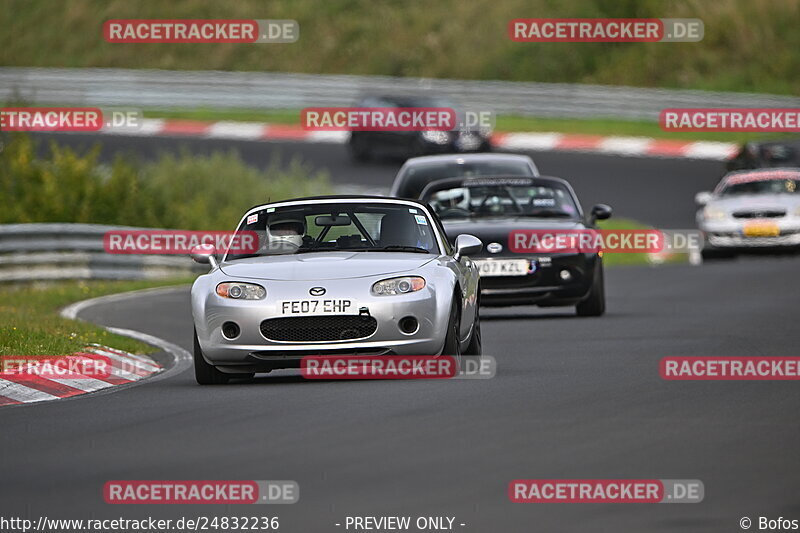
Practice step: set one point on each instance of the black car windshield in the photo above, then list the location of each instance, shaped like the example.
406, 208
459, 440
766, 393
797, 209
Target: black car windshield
420, 175
536, 199
767, 186
345, 226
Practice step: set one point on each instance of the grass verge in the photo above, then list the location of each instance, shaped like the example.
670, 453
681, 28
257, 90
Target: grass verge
619, 259
31, 324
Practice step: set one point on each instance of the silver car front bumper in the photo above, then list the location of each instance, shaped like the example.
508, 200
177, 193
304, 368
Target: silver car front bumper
251, 346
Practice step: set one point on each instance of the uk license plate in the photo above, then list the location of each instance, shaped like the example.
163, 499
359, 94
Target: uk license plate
761, 229
499, 267
317, 307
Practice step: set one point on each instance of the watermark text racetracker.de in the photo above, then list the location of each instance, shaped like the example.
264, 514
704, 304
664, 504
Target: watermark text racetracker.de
605, 30
353, 367
192, 31
178, 241
699, 368
606, 491
76, 366
648, 241
731, 119
68, 119
200, 492
394, 119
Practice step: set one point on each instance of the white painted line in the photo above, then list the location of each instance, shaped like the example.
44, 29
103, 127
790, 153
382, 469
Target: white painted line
148, 127
124, 374
624, 145
711, 150
237, 130
336, 137
182, 359
531, 141
84, 384
99, 349
129, 363
24, 394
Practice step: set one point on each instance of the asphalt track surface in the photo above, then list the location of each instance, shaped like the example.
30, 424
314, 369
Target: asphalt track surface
574, 398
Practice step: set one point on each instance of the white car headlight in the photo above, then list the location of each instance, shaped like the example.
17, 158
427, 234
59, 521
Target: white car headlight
241, 291
714, 213
394, 286
435, 136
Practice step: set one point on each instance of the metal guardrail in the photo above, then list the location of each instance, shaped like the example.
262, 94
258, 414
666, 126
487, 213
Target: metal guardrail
272, 90
35, 252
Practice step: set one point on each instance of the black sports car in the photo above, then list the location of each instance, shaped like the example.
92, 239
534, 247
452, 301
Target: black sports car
365, 145
766, 154
492, 208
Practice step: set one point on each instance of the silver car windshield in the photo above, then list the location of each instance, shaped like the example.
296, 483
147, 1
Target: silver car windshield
772, 186
324, 227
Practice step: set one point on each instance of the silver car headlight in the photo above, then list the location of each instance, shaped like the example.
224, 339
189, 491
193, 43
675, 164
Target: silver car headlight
394, 286
436, 136
241, 291
714, 213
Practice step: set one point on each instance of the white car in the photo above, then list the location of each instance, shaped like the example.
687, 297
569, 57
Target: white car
751, 209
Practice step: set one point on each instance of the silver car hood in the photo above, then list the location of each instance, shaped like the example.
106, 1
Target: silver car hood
325, 265
756, 201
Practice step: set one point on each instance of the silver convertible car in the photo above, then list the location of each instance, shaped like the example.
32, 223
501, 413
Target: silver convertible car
749, 210
335, 275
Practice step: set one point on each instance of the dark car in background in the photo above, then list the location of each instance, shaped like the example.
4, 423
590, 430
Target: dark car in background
491, 208
366, 145
766, 154
418, 172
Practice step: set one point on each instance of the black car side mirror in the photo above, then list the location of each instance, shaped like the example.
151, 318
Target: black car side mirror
600, 212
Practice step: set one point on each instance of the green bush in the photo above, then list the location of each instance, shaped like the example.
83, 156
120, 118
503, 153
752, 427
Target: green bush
175, 191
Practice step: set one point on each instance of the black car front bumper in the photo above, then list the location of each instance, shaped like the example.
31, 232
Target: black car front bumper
545, 286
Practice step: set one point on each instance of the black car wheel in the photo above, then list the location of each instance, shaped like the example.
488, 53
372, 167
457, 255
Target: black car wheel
595, 302
451, 344
475, 346
204, 373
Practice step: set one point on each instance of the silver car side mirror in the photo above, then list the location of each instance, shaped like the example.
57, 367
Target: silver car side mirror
204, 254
467, 245
702, 198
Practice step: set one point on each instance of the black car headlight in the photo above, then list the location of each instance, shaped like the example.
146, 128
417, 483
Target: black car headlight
394, 286
241, 291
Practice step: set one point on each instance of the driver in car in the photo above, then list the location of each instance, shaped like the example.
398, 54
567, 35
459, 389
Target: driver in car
284, 234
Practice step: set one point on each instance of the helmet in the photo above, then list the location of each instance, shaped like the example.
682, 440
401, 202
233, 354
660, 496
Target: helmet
285, 233
453, 198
